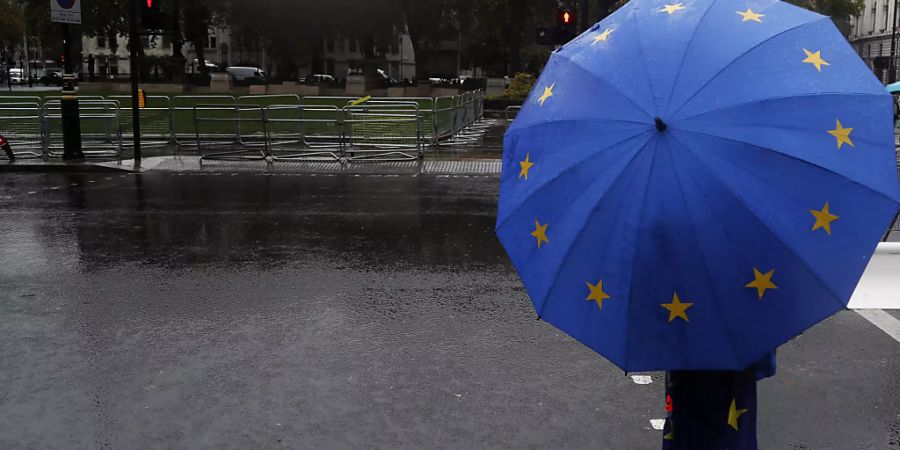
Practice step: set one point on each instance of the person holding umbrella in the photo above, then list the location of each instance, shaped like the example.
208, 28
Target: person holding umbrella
692, 184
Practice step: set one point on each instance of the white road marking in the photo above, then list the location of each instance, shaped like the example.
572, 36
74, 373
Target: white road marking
886, 322
642, 379
658, 424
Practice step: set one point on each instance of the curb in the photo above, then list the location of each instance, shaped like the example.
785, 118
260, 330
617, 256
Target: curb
35, 166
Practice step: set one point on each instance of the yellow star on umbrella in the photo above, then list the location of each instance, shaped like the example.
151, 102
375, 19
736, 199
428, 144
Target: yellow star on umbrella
823, 218
677, 308
597, 293
526, 166
540, 233
734, 414
815, 59
762, 281
671, 9
841, 134
750, 15
548, 92
602, 37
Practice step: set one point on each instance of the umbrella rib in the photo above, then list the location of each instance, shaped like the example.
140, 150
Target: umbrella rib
705, 264
583, 226
731, 63
596, 76
631, 273
798, 159
686, 48
715, 175
546, 121
776, 98
575, 164
644, 64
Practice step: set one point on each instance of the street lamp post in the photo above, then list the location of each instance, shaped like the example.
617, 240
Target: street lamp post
135, 40
892, 64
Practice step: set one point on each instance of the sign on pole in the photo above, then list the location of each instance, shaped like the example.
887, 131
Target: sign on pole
66, 11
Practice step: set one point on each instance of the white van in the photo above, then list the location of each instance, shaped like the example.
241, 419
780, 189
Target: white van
246, 75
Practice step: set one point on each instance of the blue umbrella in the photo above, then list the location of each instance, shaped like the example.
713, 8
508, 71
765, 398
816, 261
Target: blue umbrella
691, 184
893, 88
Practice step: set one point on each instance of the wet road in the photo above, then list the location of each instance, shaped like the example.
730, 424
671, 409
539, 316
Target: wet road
250, 311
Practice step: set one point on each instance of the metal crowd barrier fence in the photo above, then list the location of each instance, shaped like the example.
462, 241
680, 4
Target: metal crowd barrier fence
157, 126
383, 130
250, 131
292, 120
101, 128
21, 99
22, 124
511, 113
217, 120
185, 130
304, 132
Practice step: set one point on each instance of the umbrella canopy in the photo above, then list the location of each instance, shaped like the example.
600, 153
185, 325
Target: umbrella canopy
893, 88
691, 184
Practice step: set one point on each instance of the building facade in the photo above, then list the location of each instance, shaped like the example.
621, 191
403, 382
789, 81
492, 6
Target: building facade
103, 59
340, 56
870, 35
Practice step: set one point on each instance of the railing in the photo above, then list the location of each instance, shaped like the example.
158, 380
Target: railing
101, 128
293, 126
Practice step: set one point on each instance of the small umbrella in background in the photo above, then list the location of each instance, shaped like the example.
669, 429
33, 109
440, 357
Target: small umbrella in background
691, 184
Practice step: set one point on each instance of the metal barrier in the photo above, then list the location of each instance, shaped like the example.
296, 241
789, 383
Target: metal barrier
511, 113
157, 126
21, 124
304, 132
218, 120
101, 128
383, 130
21, 99
185, 131
250, 129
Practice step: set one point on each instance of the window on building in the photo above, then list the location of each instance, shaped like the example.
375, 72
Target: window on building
392, 49
329, 44
353, 46
101, 42
874, 9
885, 24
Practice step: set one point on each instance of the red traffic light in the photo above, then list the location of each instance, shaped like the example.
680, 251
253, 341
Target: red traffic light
566, 18
149, 3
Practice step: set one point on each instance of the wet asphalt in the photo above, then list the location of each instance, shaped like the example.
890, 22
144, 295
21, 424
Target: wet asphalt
256, 311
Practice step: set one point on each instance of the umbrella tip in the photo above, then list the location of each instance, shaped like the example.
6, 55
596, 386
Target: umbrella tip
660, 125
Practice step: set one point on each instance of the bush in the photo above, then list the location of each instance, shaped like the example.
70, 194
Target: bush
500, 103
520, 86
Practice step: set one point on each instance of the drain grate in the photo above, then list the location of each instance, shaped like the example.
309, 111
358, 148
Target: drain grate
430, 167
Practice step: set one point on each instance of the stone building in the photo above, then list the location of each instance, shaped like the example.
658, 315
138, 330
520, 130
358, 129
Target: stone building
870, 35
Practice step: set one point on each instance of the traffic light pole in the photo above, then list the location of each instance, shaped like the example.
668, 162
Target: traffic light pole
134, 41
71, 122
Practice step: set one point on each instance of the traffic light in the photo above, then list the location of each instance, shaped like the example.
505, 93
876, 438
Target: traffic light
565, 18
152, 17
565, 26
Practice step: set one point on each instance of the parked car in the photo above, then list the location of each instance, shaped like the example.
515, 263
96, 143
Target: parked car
245, 76
16, 76
51, 78
319, 78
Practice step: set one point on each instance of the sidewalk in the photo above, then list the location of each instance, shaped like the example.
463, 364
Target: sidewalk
451, 164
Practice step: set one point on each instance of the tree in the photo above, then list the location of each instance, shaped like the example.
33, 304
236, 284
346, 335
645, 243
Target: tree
12, 23
840, 11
